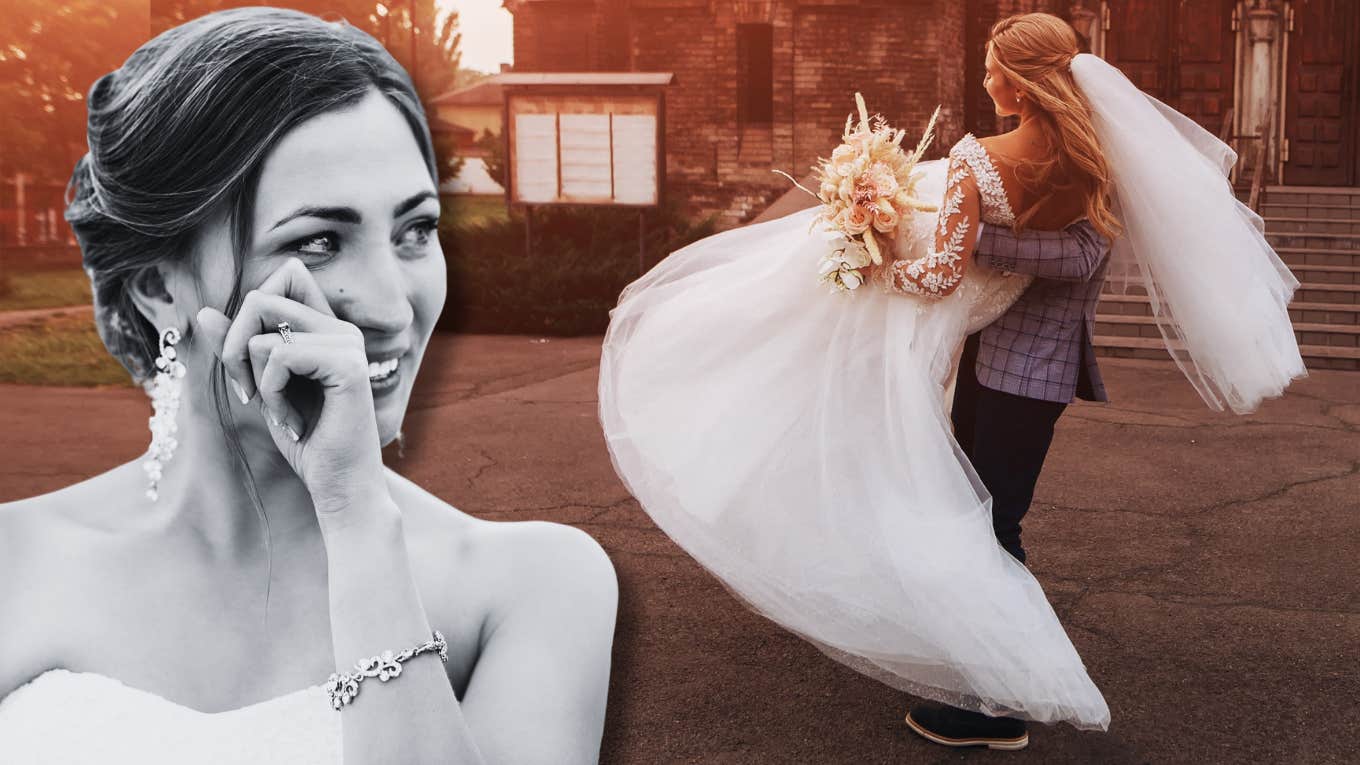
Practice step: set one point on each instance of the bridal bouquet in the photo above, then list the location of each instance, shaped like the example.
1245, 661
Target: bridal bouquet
867, 188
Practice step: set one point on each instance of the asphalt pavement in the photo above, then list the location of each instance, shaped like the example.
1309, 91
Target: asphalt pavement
1205, 564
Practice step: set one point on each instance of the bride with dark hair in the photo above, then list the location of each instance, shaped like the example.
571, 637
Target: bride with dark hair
257, 213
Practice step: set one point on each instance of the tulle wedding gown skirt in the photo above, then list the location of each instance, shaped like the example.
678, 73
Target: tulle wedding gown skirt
795, 443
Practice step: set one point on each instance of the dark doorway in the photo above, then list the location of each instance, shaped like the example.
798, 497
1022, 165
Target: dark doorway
1322, 120
1179, 51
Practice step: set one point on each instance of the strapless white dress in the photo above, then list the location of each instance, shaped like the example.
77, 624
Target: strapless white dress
80, 718
796, 444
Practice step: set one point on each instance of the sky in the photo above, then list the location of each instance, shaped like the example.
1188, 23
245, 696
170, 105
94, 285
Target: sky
486, 28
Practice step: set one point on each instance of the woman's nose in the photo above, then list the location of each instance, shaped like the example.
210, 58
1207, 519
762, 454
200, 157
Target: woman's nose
375, 297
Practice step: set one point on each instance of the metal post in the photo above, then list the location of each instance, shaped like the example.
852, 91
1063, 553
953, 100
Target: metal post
642, 241
21, 219
528, 231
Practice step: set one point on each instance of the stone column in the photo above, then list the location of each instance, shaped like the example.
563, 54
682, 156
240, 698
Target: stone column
1089, 23
1263, 24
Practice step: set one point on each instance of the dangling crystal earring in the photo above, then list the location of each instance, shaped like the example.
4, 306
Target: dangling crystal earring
165, 393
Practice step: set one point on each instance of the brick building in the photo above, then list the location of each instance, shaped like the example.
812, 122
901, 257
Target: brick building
762, 84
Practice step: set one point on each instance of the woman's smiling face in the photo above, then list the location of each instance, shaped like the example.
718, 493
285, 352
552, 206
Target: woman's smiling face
349, 194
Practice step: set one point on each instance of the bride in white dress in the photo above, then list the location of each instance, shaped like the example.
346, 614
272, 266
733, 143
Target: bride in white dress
796, 443
258, 213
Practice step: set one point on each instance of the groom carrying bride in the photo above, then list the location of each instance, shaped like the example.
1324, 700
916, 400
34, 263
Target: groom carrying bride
1018, 374
1086, 131
1015, 378
826, 489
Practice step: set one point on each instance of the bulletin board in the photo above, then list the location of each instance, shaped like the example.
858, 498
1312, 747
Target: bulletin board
584, 149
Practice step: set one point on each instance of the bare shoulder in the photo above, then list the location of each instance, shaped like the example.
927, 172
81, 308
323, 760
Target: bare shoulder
31, 529
17, 520
43, 541
1018, 147
84, 502
511, 564
1011, 143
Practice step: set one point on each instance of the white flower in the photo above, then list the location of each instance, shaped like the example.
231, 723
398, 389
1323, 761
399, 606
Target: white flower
856, 256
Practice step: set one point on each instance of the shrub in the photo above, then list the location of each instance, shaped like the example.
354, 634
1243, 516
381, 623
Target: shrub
579, 261
493, 148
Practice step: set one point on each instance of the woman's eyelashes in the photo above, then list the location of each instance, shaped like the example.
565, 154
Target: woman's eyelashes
317, 249
415, 240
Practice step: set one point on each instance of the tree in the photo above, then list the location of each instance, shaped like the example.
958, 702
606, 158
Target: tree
425, 41
447, 162
50, 55
52, 52
170, 13
421, 37
468, 77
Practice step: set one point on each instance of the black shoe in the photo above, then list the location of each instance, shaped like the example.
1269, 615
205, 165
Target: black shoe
959, 727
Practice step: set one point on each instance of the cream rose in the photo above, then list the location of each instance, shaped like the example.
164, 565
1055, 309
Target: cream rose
886, 219
855, 220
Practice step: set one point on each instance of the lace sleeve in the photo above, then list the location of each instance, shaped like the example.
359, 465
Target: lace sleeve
938, 272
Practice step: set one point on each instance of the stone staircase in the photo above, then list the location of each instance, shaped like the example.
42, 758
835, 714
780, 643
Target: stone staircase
1316, 232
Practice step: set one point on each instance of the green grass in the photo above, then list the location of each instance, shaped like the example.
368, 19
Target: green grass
57, 350
581, 259
44, 289
467, 210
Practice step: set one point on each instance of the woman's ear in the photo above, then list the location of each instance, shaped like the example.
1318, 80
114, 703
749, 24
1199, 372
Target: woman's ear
153, 300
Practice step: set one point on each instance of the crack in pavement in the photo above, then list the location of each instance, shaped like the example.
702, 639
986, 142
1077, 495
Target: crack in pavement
1045, 506
480, 390
1138, 644
1075, 413
621, 503
437, 400
1093, 586
1354, 469
546, 402
656, 554
1347, 428
1185, 600
1282, 490
600, 509
490, 463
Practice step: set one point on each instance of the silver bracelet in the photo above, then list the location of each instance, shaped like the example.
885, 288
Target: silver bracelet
344, 688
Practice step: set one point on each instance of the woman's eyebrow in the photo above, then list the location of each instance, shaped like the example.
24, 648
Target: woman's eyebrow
340, 214
351, 215
411, 202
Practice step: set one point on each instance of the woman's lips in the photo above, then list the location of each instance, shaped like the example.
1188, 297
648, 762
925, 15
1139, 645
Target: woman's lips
385, 374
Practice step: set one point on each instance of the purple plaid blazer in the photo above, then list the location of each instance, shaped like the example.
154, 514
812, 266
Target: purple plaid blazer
1041, 348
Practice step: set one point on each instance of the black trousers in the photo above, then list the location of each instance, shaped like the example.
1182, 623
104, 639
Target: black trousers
1006, 437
